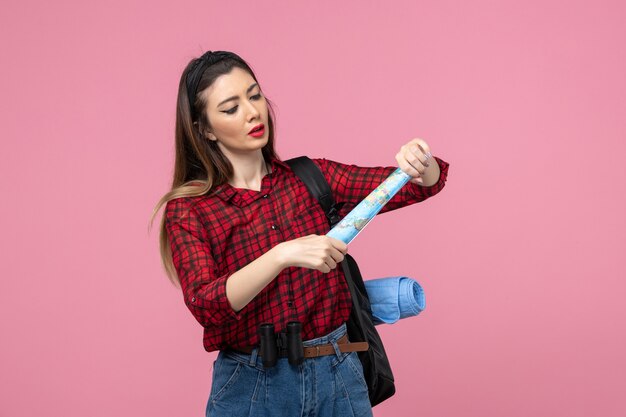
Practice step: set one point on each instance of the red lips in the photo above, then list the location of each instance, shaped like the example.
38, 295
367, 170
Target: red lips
257, 127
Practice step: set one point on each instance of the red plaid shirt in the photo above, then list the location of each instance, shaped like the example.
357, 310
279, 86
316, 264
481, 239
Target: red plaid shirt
214, 235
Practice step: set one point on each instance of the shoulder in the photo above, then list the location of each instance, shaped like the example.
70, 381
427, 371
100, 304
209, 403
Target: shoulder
320, 162
326, 164
331, 169
179, 208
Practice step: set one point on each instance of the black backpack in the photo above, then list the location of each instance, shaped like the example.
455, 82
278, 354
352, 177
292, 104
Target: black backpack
360, 326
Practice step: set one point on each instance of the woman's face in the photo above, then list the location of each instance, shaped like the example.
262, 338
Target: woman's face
235, 105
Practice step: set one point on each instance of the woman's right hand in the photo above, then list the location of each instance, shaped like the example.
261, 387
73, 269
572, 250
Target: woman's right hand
312, 251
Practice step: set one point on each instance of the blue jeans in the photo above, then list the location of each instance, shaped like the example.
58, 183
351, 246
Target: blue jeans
325, 386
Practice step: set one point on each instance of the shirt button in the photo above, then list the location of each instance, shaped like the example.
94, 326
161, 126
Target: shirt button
274, 227
265, 196
193, 299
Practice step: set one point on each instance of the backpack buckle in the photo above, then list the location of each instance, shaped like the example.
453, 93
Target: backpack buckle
333, 215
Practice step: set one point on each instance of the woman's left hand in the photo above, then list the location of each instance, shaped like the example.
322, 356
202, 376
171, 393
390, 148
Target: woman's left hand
415, 159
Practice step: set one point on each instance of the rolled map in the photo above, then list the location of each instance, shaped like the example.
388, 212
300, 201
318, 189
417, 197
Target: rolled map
355, 221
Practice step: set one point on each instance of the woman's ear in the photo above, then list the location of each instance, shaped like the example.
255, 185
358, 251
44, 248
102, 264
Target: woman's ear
205, 132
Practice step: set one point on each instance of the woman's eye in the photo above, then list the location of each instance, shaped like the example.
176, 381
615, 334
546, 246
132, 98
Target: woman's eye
234, 109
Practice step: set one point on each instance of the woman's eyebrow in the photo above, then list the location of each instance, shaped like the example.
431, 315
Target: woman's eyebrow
236, 97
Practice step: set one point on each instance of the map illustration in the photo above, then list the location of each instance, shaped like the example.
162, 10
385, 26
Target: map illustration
355, 221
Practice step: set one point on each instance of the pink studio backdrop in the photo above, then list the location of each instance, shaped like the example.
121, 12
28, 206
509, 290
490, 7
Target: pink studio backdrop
521, 255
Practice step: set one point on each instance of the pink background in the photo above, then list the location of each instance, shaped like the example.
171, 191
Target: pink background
521, 256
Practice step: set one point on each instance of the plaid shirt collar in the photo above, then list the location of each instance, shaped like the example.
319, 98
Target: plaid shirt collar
243, 197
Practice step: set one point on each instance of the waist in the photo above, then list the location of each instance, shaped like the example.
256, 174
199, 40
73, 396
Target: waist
319, 346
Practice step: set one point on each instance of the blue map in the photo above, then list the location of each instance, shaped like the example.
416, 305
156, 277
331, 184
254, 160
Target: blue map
355, 221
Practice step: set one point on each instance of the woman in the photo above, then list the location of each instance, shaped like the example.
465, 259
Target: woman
245, 242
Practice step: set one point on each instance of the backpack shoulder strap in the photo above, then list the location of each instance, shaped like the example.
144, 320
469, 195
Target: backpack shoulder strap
316, 183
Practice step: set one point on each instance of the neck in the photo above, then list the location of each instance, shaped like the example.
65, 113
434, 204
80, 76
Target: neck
248, 172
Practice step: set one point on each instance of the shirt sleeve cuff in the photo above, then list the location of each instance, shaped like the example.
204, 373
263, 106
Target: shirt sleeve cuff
218, 311
223, 303
428, 191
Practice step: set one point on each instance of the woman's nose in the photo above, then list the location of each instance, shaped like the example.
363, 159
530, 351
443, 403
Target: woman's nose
253, 112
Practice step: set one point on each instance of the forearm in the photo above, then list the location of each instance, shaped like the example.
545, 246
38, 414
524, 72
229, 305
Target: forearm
243, 285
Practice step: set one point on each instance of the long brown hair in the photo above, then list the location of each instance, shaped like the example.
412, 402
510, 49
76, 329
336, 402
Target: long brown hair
199, 164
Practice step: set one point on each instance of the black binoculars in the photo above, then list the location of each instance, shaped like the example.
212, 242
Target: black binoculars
274, 344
